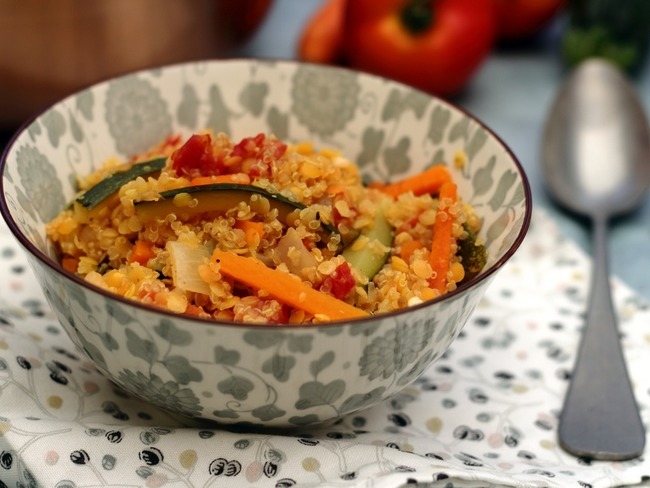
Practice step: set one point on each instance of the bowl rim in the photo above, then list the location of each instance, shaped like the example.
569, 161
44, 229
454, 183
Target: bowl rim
460, 290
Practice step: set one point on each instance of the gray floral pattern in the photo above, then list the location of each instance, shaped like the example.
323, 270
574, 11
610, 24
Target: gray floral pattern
325, 102
42, 188
166, 394
137, 115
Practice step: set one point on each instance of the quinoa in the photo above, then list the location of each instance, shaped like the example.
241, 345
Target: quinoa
163, 257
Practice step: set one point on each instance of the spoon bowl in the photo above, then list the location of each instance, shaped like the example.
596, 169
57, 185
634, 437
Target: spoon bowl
596, 151
596, 162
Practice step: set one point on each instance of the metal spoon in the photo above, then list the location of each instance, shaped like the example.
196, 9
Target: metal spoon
596, 162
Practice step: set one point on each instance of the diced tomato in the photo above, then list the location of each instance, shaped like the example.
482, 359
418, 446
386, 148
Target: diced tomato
197, 158
259, 153
340, 283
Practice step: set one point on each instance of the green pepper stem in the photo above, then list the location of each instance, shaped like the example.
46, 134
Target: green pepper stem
417, 15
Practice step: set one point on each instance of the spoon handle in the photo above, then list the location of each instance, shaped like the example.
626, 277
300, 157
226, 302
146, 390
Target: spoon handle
600, 418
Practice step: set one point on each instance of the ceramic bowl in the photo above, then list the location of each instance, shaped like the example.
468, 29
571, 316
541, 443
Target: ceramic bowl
238, 373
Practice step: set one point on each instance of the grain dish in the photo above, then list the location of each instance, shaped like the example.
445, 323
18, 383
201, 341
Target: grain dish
263, 231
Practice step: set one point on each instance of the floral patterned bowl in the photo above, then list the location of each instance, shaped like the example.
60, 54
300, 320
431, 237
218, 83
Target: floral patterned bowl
237, 373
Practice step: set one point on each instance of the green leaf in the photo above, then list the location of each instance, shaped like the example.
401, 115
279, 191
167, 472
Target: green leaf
320, 364
75, 130
505, 183
118, 313
85, 102
55, 126
264, 339
236, 386
228, 357
482, 180
362, 400
225, 414
476, 143
302, 420
172, 334
438, 123
393, 107
252, 97
141, 348
418, 102
181, 369
219, 114
397, 160
278, 123
498, 227
109, 341
188, 110
315, 393
300, 343
460, 130
279, 366
371, 142
268, 412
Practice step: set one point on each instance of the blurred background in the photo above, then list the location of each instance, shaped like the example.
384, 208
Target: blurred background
501, 60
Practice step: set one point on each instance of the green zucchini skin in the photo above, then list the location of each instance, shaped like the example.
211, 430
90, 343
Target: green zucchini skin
109, 185
367, 259
218, 197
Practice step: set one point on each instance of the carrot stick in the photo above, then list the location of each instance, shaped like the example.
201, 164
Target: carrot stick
440, 257
321, 40
70, 264
408, 248
429, 181
254, 231
142, 252
283, 287
238, 178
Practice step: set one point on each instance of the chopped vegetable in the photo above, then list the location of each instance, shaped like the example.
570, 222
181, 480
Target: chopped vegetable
368, 252
292, 252
109, 185
254, 231
340, 283
142, 252
237, 178
429, 181
185, 262
440, 257
321, 40
408, 248
473, 255
70, 264
219, 197
284, 287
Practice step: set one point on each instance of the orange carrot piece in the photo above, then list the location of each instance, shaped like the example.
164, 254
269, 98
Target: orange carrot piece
408, 248
253, 231
440, 257
70, 264
321, 40
283, 287
429, 181
142, 252
335, 188
237, 178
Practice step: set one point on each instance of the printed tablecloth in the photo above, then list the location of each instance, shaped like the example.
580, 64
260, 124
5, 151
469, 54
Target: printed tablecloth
484, 415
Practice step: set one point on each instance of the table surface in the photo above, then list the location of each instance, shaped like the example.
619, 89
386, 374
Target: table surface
511, 93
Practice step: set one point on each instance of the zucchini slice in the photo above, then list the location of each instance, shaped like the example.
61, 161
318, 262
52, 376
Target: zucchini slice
217, 197
370, 250
109, 185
